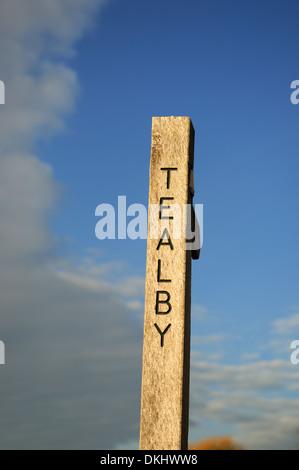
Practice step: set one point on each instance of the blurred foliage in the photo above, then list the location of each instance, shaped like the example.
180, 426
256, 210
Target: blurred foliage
216, 443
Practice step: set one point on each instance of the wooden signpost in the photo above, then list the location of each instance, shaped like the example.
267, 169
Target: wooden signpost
166, 342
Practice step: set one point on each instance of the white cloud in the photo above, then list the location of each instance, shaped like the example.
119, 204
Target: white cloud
135, 305
199, 312
250, 356
239, 397
73, 349
72, 346
200, 340
27, 194
288, 325
36, 105
256, 401
35, 37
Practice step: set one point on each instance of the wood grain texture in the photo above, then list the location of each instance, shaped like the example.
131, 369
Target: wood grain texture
165, 372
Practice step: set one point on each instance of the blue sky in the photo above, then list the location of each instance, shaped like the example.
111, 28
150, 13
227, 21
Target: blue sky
83, 80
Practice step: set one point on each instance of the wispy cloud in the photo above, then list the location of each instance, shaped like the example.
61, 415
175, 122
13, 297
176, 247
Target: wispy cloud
256, 400
288, 325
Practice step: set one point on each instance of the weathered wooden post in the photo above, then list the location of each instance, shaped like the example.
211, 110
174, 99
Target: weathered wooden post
166, 343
